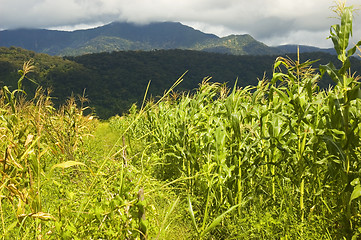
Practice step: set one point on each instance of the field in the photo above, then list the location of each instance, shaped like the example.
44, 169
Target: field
279, 160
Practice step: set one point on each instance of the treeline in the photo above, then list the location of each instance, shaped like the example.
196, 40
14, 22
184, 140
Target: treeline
114, 81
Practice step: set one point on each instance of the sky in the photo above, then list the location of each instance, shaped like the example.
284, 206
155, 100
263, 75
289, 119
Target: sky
273, 22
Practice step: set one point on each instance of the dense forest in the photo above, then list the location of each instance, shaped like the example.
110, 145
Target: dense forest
114, 81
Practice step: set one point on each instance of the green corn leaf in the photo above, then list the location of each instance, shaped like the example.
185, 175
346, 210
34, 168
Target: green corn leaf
32, 80
334, 147
29, 148
338, 134
354, 93
6, 91
282, 95
346, 65
67, 164
355, 182
190, 208
277, 64
334, 30
43, 216
277, 76
355, 193
351, 51
20, 81
331, 71
218, 220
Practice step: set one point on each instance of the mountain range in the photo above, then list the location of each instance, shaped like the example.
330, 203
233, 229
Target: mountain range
121, 36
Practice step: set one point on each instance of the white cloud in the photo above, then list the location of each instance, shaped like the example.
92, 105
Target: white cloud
301, 37
296, 21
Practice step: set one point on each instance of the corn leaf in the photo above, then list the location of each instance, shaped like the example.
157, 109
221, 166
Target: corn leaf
355, 193
190, 208
331, 71
43, 216
218, 220
354, 93
352, 50
67, 164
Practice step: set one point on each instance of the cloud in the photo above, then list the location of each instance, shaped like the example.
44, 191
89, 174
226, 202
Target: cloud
297, 21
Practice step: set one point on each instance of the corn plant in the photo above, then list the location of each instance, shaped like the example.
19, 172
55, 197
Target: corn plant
28, 159
342, 136
22, 152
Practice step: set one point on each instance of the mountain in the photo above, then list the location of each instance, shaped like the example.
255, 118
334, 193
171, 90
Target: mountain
111, 37
120, 36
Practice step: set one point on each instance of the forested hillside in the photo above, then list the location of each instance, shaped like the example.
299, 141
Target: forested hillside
114, 81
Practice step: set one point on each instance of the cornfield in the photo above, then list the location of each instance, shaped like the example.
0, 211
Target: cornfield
279, 160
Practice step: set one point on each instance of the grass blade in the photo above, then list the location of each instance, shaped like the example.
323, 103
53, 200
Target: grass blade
218, 220
192, 214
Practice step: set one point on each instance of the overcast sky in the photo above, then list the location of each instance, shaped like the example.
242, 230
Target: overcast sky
273, 22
